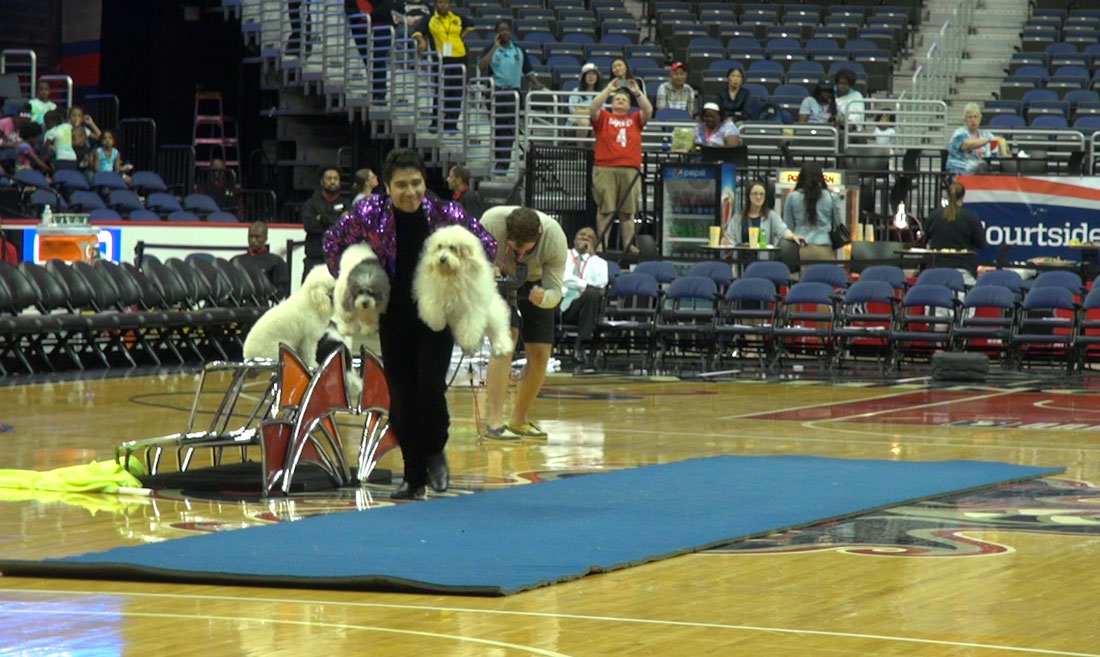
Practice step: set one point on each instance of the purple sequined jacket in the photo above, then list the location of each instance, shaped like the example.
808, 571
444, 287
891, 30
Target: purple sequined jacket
372, 221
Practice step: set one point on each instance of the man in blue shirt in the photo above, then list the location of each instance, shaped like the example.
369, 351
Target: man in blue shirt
508, 65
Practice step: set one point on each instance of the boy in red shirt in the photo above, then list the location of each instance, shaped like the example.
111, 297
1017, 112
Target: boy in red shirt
616, 179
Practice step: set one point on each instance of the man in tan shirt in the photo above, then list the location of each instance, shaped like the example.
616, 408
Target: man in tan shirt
531, 259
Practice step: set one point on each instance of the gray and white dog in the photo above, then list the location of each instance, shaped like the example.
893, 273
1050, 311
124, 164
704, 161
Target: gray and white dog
361, 294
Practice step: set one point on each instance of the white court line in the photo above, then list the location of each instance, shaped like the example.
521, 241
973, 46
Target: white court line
811, 423
1046, 404
535, 614
819, 405
278, 621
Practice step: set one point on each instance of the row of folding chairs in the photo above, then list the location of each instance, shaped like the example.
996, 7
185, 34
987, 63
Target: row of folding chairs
75, 316
877, 318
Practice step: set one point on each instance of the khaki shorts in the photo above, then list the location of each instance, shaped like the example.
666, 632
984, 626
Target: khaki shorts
609, 184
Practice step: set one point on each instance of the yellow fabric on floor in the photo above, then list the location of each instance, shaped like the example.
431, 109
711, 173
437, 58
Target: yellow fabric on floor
95, 477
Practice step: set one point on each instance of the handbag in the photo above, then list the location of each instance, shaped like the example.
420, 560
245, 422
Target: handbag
840, 235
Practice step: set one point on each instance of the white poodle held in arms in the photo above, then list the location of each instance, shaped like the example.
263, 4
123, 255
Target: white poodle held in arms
454, 286
299, 321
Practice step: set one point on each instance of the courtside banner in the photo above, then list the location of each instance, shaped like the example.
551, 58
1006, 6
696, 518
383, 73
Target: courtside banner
1037, 216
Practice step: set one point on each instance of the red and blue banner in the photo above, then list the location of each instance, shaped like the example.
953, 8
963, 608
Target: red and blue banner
1038, 216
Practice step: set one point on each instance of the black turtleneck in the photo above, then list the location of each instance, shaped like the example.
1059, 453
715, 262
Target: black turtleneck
412, 231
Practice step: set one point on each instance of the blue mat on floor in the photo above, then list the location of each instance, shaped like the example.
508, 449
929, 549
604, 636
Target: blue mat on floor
505, 541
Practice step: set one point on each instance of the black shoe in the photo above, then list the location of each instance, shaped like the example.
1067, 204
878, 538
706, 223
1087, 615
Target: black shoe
439, 475
407, 492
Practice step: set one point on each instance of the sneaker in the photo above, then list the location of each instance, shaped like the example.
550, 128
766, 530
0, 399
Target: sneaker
526, 430
499, 433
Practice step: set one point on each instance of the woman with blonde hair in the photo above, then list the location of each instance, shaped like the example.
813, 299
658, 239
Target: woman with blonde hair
970, 144
955, 227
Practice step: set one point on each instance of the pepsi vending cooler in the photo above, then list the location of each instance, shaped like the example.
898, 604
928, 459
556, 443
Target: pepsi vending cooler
694, 197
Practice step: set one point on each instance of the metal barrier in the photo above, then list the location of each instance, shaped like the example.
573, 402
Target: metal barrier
362, 54
137, 141
176, 164
403, 94
22, 63
103, 108
1094, 152
505, 127
334, 50
428, 111
478, 116
898, 123
936, 77
453, 139
558, 181
1048, 151
257, 205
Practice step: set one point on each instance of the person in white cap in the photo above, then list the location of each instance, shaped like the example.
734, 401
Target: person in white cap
713, 130
587, 87
676, 93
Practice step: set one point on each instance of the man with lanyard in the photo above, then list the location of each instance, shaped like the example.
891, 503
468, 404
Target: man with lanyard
449, 31
320, 213
582, 290
532, 257
508, 64
458, 181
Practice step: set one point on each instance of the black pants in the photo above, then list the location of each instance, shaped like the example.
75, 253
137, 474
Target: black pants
452, 97
416, 360
504, 136
584, 311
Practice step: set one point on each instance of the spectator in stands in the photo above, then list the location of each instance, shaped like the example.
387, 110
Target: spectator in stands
41, 102
533, 255
509, 65
416, 357
365, 184
8, 253
849, 101
621, 75
713, 130
811, 211
970, 144
582, 290
587, 88
676, 93
458, 181
320, 213
736, 102
259, 253
616, 176
59, 137
955, 227
26, 152
819, 106
756, 211
82, 122
10, 125
885, 131
106, 157
218, 185
448, 31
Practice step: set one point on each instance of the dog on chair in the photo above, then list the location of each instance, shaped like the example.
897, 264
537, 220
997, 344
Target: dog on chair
299, 321
454, 286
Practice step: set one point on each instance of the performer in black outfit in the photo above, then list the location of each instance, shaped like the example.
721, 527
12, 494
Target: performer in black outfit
415, 357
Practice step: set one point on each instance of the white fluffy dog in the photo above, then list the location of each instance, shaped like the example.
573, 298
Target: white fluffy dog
299, 321
454, 286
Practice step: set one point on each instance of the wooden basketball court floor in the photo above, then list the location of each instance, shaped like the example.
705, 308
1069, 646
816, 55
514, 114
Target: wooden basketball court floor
998, 573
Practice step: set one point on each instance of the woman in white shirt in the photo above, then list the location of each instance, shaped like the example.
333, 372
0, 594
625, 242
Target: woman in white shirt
713, 130
819, 106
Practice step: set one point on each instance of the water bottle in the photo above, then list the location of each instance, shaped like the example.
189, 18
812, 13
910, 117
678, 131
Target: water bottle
47, 216
666, 145
762, 240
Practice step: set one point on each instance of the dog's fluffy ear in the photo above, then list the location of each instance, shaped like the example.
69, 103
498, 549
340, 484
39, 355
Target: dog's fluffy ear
319, 285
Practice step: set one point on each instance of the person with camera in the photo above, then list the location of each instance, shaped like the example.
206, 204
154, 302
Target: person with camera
509, 66
531, 262
616, 176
